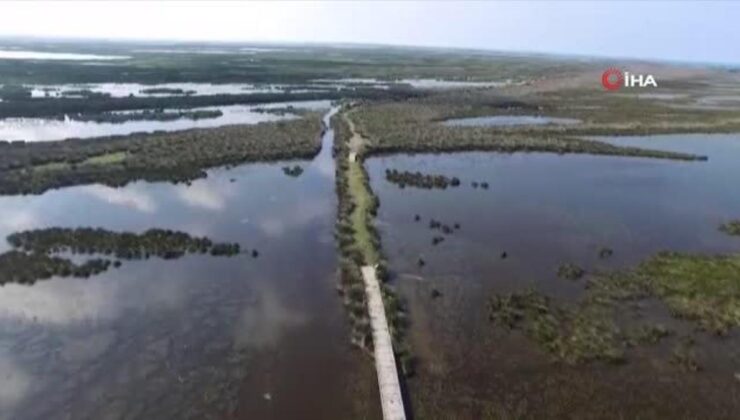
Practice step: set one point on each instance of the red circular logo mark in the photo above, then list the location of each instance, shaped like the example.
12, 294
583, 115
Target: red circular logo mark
612, 79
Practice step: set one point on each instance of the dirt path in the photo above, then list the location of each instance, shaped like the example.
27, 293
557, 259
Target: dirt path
356, 142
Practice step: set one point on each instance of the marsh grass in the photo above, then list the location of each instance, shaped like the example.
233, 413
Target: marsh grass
570, 271
731, 228
414, 125
700, 289
572, 335
32, 168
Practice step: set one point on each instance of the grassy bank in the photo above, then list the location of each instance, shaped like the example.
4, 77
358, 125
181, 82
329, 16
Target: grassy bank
359, 243
32, 168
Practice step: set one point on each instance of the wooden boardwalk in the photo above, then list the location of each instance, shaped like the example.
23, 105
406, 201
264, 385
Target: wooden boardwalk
385, 361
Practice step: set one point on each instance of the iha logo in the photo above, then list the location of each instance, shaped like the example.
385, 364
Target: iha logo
615, 79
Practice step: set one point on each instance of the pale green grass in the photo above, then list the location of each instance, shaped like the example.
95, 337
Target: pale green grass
363, 201
106, 159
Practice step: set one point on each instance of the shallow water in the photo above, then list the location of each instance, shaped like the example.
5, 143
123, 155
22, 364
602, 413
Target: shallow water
38, 129
198, 337
121, 90
41, 55
507, 120
544, 210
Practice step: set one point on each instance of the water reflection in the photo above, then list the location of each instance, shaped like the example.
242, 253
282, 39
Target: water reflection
190, 338
15, 382
133, 198
38, 129
544, 210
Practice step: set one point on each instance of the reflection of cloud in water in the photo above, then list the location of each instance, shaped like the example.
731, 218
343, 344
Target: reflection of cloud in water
57, 302
17, 219
14, 382
64, 301
207, 196
324, 166
127, 197
263, 322
276, 224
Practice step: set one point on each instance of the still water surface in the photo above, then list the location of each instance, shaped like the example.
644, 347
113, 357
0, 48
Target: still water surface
197, 337
39, 129
544, 210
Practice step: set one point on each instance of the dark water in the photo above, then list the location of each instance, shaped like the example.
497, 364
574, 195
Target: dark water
198, 337
544, 210
507, 120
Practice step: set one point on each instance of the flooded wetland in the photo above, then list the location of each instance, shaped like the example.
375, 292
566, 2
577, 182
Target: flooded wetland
185, 238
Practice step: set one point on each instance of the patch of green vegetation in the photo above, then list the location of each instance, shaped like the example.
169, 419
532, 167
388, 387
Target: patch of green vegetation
574, 336
649, 334
166, 91
702, 288
365, 238
414, 125
570, 271
51, 166
105, 159
27, 268
35, 252
294, 171
605, 252
419, 180
85, 93
359, 245
684, 355
148, 115
731, 228
32, 168
351, 283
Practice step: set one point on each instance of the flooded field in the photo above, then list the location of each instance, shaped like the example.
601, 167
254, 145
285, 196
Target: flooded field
198, 337
537, 212
39, 129
121, 90
508, 120
43, 55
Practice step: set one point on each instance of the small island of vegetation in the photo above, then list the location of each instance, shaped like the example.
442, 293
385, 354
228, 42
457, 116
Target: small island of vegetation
700, 289
39, 254
419, 180
148, 115
731, 228
32, 168
294, 171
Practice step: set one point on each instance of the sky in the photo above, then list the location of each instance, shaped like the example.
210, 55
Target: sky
695, 31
